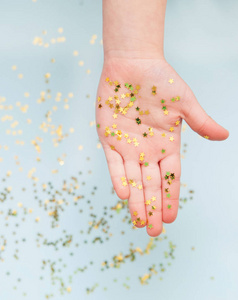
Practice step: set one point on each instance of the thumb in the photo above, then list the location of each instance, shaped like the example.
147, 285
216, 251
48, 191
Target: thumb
201, 122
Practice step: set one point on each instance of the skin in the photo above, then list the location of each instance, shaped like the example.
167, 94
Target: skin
133, 53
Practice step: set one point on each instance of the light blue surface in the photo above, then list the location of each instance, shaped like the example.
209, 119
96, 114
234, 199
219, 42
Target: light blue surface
201, 43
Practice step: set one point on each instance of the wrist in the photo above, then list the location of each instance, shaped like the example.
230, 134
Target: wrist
133, 29
133, 51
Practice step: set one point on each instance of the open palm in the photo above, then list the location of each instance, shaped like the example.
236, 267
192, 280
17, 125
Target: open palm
140, 107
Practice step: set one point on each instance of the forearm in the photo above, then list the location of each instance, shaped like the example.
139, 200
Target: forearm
133, 28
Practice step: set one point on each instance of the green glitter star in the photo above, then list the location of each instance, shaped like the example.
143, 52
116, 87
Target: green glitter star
169, 206
98, 125
146, 164
168, 195
150, 226
162, 101
138, 121
163, 150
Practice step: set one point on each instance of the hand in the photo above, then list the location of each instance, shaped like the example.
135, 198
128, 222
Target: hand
140, 107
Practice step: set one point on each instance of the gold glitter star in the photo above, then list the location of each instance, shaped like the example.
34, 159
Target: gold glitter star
136, 144
147, 202
163, 134
115, 116
133, 184
114, 126
128, 141
140, 187
206, 137
124, 183
134, 222
126, 135
171, 81
171, 129
171, 139
123, 96
142, 222
153, 198
135, 213
99, 99
177, 122
148, 177
166, 112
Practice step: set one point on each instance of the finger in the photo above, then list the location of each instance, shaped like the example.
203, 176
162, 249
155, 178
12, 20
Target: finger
199, 121
152, 194
136, 199
170, 168
117, 172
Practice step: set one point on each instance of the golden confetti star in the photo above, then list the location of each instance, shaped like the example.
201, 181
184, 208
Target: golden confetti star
166, 112
147, 202
114, 126
133, 184
142, 222
206, 137
163, 134
115, 116
177, 122
136, 144
171, 139
128, 141
171, 129
148, 177
124, 183
135, 213
134, 222
140, 187
153, 198
171, 81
